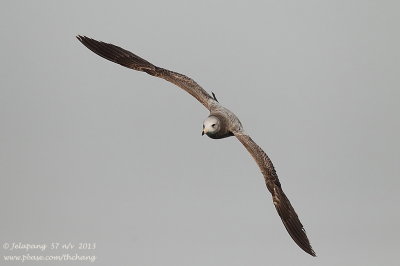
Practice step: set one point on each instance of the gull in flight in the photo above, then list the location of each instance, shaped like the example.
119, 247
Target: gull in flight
221, 123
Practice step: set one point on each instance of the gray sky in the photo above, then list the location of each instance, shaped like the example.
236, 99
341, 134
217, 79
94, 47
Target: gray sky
93, 152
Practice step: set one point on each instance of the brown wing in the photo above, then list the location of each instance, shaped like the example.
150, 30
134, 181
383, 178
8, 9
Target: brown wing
281, 202
127, 59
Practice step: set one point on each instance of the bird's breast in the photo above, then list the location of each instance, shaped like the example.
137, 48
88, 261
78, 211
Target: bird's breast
220, 135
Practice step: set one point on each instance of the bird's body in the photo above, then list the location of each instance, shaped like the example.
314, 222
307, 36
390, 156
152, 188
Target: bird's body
220, 123
227, 120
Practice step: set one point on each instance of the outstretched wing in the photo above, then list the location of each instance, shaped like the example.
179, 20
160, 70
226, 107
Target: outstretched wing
127, 59
281, 202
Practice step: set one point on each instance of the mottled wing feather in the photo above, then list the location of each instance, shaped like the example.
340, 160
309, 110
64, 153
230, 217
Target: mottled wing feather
127, 59
281, 202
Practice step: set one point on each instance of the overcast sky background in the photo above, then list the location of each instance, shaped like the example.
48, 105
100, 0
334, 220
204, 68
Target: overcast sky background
94, 152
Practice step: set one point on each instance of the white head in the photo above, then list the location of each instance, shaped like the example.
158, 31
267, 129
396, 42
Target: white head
211, 125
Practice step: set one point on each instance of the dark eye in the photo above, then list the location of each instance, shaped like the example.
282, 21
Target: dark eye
213, 125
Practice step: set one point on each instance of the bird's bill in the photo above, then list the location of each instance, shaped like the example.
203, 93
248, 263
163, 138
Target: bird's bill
202, 132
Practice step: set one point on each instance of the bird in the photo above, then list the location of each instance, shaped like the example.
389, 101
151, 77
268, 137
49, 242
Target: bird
221, 123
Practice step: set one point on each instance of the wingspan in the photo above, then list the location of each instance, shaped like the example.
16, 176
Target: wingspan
281, 202
127, 59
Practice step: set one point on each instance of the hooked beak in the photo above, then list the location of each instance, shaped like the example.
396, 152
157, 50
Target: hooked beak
202, 132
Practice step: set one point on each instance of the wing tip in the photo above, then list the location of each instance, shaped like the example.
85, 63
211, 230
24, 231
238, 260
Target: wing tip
305, 243
82, 38
311, 252
302, 241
